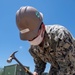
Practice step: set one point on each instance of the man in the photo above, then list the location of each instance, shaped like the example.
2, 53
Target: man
51, 43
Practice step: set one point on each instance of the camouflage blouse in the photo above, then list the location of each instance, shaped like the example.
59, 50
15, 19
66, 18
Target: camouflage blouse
58, 49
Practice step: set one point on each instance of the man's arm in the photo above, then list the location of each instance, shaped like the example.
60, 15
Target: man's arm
39, 64
53, 71
65, 53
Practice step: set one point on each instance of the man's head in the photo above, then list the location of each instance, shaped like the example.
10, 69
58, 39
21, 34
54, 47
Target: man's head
28, 21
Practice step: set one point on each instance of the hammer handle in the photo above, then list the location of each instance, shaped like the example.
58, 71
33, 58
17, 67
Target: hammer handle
26, 70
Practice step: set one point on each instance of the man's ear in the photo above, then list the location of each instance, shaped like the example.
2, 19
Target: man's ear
43, 27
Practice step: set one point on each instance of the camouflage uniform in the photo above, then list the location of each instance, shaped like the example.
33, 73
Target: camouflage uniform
58, 49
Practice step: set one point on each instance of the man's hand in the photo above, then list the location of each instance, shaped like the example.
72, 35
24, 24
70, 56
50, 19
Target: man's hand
35, 73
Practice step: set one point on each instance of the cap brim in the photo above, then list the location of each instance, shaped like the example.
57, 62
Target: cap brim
28, 36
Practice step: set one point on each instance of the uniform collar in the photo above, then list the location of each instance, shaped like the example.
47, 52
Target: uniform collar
45, 42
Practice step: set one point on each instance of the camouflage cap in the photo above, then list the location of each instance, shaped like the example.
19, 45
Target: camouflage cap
28, 21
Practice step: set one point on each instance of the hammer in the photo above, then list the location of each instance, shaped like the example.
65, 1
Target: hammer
12, 56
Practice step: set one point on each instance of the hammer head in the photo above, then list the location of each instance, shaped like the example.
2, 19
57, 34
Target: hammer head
12, 56
9, 60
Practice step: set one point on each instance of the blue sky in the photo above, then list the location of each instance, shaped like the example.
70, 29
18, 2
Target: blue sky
55, 12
